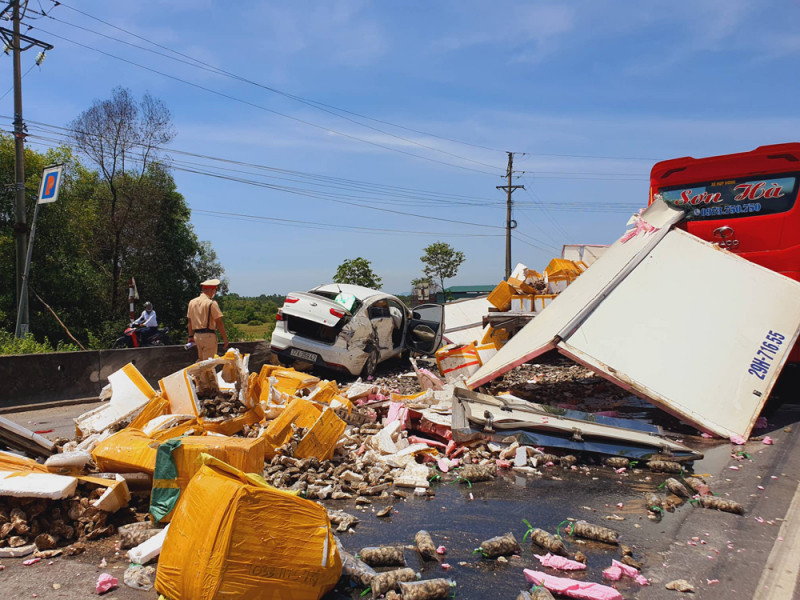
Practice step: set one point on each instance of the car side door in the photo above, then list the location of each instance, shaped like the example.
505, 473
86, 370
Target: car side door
425, 328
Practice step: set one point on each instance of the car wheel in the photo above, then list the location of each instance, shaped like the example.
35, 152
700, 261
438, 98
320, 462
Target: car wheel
371, 364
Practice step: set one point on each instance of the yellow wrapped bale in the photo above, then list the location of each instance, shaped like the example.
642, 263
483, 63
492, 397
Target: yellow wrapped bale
497, 336
234, 536
500, 297
320, 441
127, 451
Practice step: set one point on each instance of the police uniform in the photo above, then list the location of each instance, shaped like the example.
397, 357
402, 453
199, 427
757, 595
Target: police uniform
202, 314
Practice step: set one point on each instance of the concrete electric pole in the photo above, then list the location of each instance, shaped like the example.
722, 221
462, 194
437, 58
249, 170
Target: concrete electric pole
510, 223
14, 40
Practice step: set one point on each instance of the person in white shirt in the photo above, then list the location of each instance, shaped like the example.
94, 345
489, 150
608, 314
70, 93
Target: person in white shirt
147, 321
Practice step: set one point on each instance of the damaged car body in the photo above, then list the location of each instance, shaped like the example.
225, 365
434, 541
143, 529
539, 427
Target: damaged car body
353, 328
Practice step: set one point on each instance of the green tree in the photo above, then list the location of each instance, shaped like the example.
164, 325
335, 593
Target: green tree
441, 261
123, 139
357, 271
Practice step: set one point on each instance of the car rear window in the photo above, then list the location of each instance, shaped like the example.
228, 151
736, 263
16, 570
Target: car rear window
332, 296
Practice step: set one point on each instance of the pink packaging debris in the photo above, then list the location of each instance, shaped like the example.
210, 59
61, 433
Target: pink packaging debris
559, 562
441, 550
31, 561
612, 573
738, 440
583, 590
767, 440
106, 582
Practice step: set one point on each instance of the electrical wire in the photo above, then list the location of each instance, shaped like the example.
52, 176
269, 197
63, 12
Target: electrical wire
264, 108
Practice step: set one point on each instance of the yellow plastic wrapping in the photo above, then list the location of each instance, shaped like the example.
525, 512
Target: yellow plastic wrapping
500, 297
290, 381
12, 462
495, 335
300, 412
234, 536
127, 451
234, 425
157, 407
320, 441
246, 454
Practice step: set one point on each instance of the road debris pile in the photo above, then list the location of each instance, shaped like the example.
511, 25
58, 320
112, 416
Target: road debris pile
168, 471
524, 294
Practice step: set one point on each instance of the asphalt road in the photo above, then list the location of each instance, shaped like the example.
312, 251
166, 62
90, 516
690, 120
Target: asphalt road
722, 555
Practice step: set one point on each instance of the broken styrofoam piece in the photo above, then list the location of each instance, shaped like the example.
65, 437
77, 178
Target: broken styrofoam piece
36, 485
131, 393
164, 422
583, 590
414, 475
17, 552
149, 549
77, 459
90, 441
115, 497
21, 438
383, 440
360, 390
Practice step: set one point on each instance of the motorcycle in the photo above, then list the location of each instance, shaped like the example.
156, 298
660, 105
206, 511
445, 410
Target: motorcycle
133, 337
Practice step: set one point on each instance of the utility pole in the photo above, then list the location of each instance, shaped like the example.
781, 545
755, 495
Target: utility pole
510, 223
14, 39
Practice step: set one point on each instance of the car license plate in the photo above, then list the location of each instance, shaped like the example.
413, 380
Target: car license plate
310, 356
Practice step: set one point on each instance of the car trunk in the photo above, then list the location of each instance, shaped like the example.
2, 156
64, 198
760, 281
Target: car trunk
314, 317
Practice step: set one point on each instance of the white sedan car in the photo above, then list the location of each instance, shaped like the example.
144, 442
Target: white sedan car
353, 328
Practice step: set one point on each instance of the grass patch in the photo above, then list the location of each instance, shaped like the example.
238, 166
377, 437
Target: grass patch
256, 332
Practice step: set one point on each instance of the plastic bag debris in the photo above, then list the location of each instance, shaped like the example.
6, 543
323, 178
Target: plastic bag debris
718, 503
105, 582
474, 473
664, 466
425, 545
549, 542
589, 531
698, 486
139, 577
383, 556
383, 582
500, 545
584, 590
429, 589
357, 571
677, 488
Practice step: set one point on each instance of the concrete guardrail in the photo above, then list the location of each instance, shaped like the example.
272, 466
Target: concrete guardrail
31, 380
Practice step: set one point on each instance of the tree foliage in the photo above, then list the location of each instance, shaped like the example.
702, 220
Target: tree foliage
357, 271
441, 261
124, 220
123, 139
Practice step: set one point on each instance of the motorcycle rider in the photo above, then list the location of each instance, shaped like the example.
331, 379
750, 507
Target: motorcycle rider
148, 324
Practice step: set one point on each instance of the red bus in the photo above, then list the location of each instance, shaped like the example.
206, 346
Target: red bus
745, 202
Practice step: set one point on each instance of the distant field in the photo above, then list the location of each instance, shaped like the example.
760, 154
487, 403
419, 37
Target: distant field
257, 332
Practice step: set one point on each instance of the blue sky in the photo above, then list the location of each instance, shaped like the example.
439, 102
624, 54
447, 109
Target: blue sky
416, 104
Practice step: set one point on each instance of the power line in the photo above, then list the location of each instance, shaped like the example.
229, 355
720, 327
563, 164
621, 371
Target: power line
266, 109
197, 63
310, 194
